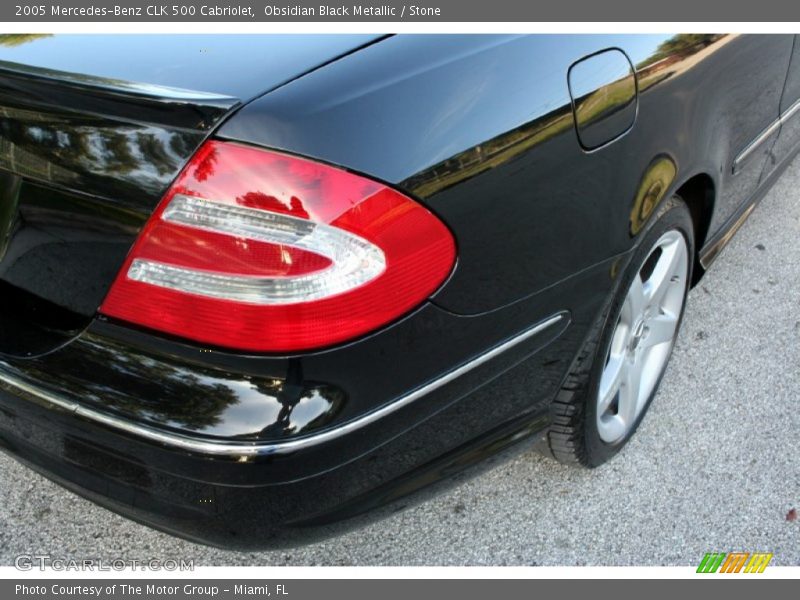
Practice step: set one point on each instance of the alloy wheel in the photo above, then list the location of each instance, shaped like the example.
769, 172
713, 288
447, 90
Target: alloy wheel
643, 337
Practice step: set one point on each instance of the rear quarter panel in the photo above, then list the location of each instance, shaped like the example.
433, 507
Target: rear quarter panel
481, 129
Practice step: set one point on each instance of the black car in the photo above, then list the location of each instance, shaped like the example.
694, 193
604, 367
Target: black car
256, 289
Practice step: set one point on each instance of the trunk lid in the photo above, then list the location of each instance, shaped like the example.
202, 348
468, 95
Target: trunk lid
240, 66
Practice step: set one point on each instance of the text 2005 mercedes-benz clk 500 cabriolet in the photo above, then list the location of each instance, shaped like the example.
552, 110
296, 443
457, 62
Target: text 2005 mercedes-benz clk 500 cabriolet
257, 289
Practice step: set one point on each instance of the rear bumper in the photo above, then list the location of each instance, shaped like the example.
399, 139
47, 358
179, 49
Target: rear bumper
106, 471
256, 451
246, 494
248, 450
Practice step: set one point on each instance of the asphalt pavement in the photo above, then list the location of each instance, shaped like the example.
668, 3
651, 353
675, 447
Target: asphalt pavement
713, 468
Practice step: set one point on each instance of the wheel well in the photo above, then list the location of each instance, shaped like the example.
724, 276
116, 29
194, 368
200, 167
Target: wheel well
699, 194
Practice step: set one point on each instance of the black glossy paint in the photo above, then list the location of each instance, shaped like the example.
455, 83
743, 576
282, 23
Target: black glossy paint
789, 136
239, 66
480, 128
83, 163
90, 140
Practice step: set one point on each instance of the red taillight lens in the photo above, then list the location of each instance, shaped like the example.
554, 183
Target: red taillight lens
260, 251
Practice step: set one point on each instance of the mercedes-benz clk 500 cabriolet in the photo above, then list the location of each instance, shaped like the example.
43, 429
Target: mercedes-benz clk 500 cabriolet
258, 289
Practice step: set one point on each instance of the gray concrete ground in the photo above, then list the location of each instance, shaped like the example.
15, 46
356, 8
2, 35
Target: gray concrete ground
713, 467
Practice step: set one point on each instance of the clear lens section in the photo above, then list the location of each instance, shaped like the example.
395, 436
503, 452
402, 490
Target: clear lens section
354, 260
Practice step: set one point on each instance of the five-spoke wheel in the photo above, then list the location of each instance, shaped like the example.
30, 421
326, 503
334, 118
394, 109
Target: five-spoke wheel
643, 337
616, 374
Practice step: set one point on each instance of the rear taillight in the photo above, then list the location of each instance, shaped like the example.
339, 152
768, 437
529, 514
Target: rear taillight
261, 251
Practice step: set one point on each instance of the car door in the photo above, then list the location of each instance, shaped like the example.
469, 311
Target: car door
749, 77
789, 136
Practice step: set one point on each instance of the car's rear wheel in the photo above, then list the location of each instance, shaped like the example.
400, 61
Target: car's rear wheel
621, 365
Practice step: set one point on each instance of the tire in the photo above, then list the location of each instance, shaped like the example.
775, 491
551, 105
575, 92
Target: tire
629, 347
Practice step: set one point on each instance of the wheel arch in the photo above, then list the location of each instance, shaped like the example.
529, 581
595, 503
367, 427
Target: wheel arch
699, 192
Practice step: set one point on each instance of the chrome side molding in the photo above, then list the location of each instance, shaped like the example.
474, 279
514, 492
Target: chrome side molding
762, 137
753, 146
